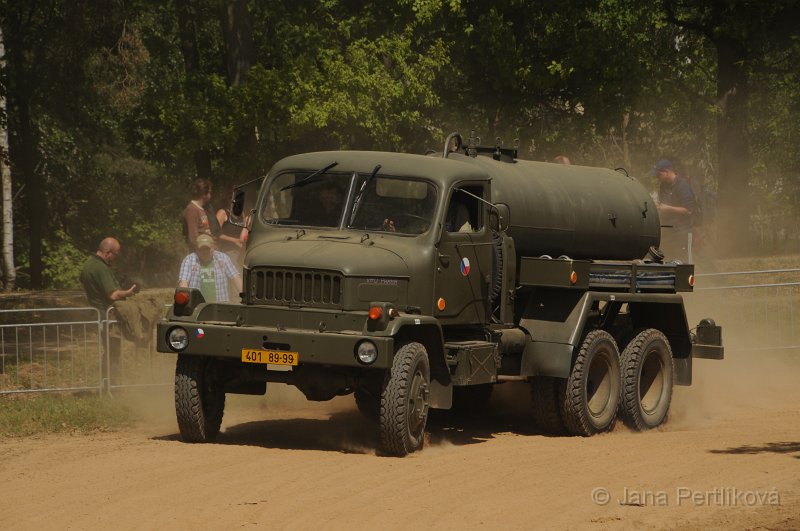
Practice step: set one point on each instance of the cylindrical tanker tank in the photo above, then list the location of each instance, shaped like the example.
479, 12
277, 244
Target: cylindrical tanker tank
578, 211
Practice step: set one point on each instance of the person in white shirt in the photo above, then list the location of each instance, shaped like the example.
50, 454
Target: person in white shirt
209, 271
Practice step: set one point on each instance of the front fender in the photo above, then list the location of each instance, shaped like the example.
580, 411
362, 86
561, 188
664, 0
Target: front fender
424, 329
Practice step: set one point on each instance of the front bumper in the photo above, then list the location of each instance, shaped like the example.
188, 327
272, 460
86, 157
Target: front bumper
277, 329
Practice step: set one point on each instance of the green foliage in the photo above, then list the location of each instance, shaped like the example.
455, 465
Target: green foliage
376, 93
62, 262
50, 413
118, 122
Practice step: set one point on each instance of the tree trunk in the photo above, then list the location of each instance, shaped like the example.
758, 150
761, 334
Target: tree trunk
35, 198
238, 33
9, 271
23, 144
733, 145
187, 32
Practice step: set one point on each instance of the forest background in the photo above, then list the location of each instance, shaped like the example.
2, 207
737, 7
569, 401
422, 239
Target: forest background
109, 109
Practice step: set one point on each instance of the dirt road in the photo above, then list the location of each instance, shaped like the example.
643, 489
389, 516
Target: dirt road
728, 458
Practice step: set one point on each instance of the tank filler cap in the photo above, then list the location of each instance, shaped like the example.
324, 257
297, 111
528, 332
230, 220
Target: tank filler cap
474, 142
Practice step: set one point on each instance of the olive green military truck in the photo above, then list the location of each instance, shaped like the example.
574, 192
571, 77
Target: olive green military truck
417, 282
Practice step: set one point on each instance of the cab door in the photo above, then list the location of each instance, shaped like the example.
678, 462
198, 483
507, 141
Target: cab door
464, 262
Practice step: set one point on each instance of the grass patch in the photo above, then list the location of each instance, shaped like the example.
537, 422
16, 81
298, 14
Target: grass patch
23, 416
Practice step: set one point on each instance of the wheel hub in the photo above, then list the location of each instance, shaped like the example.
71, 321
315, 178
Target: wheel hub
651, 382
598, 386
418, 401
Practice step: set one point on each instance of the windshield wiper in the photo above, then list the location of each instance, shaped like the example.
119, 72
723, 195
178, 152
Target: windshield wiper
307, 180
360, 193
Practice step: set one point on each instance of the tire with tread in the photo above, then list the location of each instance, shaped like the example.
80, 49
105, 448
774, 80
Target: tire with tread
590, 396
546, 401
405, 401
647, 379
199, 399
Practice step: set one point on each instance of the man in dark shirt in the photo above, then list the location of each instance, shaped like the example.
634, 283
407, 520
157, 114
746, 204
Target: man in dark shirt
676, 205
99, 282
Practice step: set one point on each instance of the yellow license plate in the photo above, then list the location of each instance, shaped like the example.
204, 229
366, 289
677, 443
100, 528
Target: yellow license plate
275, 357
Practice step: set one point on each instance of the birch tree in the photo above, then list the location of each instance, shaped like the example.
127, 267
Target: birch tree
9, 272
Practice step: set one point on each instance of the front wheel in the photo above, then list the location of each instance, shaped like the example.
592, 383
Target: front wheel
199, 399
647, 375
404, 401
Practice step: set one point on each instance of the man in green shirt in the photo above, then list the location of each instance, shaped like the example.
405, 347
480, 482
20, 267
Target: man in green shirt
99, 282
102, 290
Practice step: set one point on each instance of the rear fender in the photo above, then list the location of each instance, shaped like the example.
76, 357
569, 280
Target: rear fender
557, 319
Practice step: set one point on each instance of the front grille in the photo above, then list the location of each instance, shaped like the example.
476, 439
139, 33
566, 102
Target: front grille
287, 286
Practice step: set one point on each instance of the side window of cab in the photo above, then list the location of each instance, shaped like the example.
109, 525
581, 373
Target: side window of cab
465, 210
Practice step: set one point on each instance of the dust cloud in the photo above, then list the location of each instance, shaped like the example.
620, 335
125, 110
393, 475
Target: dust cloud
752, 376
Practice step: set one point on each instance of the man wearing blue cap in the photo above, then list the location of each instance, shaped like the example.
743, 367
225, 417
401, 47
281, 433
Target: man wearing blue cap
676, 204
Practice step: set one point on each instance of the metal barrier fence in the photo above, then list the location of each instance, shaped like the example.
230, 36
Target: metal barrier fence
50, 349
75, 349
137, 364
68, 349
755, 316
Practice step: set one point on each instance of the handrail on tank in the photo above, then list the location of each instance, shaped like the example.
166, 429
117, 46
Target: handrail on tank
473, 149
449, 139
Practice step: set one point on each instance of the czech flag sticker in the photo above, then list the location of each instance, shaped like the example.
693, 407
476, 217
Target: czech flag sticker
465, 266
199, 333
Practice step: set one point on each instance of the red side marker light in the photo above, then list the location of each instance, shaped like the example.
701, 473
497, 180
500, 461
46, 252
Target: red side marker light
573, 277
181, 298
691, 280
375, 313
441, 304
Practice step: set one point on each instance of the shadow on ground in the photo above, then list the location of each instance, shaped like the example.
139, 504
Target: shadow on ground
348, 431
774, 448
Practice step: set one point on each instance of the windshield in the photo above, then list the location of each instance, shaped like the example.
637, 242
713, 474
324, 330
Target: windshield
389, 204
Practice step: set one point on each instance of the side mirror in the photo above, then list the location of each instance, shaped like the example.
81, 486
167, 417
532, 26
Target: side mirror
499, 217
237, 205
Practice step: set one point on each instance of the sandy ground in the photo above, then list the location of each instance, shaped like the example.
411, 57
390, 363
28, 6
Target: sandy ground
729, 458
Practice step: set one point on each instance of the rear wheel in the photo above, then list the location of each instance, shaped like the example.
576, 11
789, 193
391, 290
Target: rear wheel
647, 379
405, 401
592, 391
545, 396
199, 399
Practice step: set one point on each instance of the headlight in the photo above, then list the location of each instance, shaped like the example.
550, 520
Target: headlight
178, 339
367, 352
